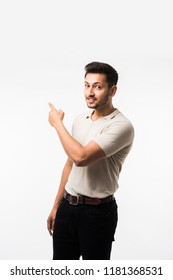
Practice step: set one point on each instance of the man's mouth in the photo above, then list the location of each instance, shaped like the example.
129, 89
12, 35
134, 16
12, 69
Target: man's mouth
91, 99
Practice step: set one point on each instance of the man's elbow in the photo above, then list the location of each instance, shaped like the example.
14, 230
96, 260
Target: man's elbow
85, 159
80, 160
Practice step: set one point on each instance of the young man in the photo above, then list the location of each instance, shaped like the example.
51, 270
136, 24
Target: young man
84, 215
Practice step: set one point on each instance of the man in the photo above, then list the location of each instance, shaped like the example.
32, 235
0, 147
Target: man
84, 215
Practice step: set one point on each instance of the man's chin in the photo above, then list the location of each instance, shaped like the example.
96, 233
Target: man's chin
91, 106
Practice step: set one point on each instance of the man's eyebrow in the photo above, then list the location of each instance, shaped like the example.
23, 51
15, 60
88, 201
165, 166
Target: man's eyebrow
93, 83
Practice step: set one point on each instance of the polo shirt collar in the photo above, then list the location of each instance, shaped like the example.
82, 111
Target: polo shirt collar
108, 117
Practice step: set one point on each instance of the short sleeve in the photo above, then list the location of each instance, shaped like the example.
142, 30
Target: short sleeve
115, 137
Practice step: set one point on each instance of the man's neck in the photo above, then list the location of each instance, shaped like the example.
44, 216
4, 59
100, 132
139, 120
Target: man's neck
98, 113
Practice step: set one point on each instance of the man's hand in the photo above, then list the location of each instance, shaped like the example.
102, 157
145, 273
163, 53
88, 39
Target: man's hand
51, 221
55, 115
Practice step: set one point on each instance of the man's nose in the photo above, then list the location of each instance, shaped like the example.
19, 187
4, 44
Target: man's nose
91, 91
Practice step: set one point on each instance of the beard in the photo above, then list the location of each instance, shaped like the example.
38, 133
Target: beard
99, 104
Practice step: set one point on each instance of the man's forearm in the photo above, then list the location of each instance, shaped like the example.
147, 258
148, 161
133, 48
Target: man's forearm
73, 148
79, 154
64, 178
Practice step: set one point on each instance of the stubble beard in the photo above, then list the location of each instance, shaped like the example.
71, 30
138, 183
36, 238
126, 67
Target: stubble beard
101, 104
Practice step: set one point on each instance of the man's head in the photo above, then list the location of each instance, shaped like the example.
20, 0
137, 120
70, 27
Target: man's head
100, 85
110, 73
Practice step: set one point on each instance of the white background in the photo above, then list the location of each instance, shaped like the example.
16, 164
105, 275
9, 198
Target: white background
43, 50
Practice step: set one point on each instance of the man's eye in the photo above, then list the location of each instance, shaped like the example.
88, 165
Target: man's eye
98, 87
87, 86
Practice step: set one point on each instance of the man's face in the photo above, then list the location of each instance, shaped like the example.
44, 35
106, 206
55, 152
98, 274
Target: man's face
96, 91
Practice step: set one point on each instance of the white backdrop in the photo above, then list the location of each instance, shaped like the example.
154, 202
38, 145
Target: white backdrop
44, 48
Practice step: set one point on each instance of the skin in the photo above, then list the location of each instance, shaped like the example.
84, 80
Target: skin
98, 96
64, 177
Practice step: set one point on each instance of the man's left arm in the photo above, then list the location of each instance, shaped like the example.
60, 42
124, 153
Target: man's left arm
79, 154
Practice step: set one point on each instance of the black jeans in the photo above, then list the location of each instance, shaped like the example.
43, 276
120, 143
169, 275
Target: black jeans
84, 230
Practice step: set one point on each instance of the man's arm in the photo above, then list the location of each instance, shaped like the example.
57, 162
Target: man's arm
79, 154
65, 174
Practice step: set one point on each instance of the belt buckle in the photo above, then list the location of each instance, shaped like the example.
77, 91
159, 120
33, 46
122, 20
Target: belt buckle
71, 200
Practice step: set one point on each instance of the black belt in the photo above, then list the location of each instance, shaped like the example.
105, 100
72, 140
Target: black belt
75, 200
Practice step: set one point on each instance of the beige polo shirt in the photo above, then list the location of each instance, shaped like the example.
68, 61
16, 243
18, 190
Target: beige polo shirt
114, 133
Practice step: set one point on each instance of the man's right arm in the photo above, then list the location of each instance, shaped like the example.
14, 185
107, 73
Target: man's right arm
65, 174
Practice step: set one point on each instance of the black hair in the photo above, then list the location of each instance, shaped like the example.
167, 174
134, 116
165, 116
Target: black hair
103, 68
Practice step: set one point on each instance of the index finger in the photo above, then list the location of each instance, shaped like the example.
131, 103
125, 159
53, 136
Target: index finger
51, 106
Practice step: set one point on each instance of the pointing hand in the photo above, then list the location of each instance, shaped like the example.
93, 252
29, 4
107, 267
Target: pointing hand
55, 115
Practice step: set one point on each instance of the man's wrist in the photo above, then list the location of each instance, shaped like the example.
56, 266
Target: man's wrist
58, 124
56, 205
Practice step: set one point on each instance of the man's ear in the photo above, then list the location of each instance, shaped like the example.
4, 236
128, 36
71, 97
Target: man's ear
113, 90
